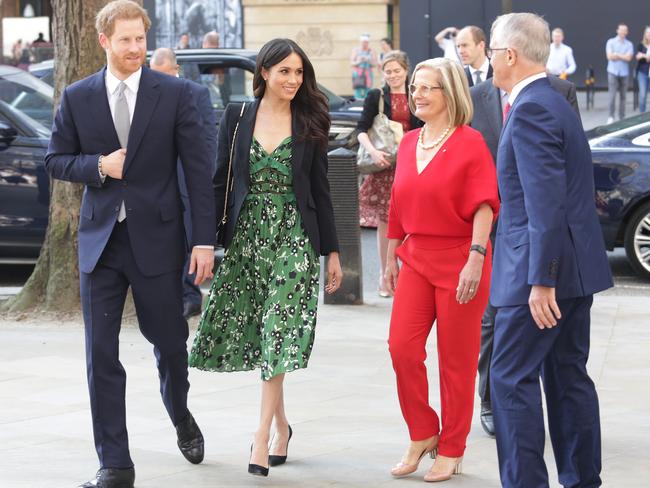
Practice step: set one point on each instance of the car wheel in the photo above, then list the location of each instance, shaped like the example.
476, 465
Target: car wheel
637, 241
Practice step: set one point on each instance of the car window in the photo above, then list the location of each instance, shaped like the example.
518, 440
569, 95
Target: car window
225, 84
30, 98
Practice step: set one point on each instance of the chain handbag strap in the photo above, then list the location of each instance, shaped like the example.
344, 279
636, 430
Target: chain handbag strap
229, 180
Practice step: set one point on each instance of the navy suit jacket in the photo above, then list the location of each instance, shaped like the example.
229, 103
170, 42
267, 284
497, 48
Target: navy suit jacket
166, 125
548, 232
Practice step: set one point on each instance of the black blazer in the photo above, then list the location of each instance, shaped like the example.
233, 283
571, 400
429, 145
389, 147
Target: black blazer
371, 109
470, 79
310, 183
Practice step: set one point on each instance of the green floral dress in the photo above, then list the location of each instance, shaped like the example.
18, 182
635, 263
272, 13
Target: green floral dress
261, 310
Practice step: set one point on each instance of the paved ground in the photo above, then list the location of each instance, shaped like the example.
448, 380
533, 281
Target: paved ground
348, 428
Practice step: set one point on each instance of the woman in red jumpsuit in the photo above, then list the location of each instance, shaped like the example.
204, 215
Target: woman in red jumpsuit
443, 202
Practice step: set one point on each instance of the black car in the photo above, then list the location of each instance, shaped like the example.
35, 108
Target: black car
24, 186
228, 74
621, 156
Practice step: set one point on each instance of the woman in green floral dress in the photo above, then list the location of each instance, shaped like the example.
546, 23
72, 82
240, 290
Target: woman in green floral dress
261, 311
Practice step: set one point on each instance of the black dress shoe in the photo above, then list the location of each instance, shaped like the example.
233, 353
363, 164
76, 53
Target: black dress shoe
112, 478
190, 440
191, 309
275, 460
487, 419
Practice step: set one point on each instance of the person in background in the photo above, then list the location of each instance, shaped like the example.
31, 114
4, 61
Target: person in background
443, 203
386, 45
374, 194
619, 54
446, 40
549, 260
471, 44
163, 60
362, 60
643, 68
560, 59
489, 109
211, 40
184, 41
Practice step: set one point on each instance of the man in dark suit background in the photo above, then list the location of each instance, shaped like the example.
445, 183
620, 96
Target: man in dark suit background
549, 260
163, 60
120, 132
489, 102
471, 44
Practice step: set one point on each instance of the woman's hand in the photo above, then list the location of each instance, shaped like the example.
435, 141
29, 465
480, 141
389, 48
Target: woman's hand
380, 158
469, 278
391, 273
334, 273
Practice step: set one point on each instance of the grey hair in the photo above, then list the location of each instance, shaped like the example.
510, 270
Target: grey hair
527, 33
163, 55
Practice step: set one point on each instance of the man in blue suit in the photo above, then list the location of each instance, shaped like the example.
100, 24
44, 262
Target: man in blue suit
549, 261
163, 60
120, 133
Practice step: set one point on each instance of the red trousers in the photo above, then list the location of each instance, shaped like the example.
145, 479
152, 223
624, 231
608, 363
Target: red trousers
426, 292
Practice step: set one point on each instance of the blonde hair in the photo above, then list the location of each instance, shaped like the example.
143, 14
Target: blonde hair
119, 10
453, 81
399, 57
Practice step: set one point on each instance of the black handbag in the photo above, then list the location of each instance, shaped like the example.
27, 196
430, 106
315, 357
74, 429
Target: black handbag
221, 225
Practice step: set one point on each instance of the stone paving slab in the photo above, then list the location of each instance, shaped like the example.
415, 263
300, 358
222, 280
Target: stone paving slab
343, 408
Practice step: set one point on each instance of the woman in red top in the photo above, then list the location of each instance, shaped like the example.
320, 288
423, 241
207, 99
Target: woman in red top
443, 203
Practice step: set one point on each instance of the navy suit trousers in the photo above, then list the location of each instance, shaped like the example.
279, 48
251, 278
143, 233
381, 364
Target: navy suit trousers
522, 353
158, 304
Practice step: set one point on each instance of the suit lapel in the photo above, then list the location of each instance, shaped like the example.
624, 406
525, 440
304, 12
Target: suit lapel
148, 93
241, 155
101, 111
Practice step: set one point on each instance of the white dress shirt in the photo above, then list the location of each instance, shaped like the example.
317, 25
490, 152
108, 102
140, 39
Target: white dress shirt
485, 67
560, 60
516, 90
130, 93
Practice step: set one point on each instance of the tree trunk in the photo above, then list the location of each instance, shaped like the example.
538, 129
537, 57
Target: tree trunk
54, 283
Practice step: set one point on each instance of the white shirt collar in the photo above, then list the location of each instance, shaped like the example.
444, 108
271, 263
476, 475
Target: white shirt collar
485, 67
523, 84
132, 82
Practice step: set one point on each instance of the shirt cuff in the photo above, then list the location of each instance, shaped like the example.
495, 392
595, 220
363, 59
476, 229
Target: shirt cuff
204, 247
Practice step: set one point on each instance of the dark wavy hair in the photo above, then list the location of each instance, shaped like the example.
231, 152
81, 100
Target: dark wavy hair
309, 107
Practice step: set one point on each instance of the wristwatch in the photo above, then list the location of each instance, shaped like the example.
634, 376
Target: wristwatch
478, 248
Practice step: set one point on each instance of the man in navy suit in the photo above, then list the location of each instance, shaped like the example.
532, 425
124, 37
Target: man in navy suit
163, 60
120, 133
549, 260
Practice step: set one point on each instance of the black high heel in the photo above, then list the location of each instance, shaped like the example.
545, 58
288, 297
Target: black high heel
256, 469
278, 460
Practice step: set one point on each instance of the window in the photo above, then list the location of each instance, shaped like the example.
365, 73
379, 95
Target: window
226, 84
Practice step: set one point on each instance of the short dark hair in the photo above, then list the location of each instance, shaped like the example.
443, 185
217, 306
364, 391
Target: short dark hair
388, 41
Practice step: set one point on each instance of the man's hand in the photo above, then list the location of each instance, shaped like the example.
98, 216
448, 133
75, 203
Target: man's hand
113, 164
543, 307
201, 262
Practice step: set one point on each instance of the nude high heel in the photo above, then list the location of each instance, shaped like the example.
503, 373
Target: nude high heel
404, 469
444, 468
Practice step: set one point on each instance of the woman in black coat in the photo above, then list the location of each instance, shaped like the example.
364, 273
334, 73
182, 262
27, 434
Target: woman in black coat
374, 194
261, 312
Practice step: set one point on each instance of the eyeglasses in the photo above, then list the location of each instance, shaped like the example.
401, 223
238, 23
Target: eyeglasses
424, 90
492, 50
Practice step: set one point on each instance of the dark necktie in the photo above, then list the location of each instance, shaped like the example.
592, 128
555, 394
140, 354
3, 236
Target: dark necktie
478, 77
